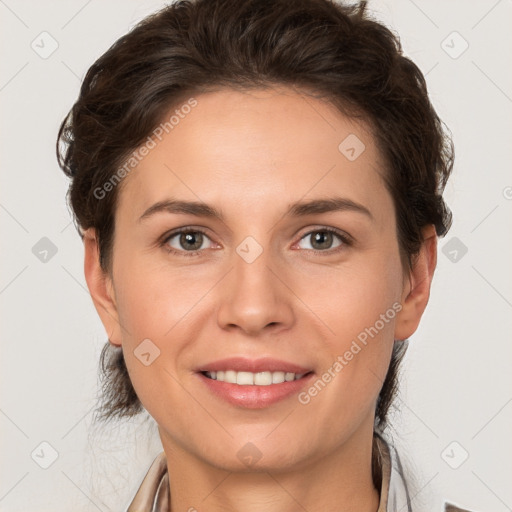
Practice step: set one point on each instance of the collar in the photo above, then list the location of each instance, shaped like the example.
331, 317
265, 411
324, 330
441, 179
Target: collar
394, 494
153, 493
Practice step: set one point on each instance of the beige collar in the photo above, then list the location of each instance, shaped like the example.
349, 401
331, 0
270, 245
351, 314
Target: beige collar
153, 493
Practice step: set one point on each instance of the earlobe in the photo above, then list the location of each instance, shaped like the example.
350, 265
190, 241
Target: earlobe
101, 288
417, 288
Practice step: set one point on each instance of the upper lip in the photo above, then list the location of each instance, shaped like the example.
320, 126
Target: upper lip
243, 364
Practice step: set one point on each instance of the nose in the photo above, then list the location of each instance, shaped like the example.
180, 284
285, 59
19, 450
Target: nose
255, 297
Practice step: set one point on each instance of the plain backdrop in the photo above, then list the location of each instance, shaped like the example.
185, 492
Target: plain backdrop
452, 420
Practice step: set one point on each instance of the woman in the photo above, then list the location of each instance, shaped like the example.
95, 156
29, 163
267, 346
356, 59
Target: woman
258, 185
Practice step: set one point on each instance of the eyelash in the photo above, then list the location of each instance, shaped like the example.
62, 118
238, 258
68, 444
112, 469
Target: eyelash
346, 240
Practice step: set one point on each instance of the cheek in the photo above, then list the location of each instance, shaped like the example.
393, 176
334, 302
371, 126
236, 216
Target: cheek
352, 298
155, 303
359, 305
153, 298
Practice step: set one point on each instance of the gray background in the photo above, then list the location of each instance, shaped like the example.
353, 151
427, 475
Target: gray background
456, 396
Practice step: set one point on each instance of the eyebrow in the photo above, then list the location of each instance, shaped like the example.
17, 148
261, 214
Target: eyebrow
298, 209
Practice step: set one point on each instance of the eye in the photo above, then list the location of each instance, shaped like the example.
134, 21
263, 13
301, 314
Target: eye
322, 239
188, 242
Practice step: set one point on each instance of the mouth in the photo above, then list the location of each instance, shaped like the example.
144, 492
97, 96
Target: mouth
264, 378
253, 383
253, 390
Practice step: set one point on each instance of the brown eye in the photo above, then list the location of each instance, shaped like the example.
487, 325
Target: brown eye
186, 241
323, 240
191, 240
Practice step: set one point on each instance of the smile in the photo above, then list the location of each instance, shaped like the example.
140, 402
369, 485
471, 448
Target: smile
265, 378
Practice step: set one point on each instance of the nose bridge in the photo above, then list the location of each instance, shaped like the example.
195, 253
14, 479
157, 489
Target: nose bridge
255, 297
252, 262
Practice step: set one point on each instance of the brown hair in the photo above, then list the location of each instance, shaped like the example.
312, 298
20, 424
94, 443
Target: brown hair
336, 51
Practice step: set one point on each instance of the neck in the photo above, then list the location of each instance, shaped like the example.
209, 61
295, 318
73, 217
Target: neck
339, 481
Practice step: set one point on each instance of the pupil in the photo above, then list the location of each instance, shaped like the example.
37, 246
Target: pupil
323, 238
187, 239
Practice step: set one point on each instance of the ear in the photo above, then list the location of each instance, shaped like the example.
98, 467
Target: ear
101, 288
417, 286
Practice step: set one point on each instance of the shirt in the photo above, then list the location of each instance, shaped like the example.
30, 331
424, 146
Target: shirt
153, 494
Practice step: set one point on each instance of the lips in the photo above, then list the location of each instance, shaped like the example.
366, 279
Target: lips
242, 364
237, 388
253, 396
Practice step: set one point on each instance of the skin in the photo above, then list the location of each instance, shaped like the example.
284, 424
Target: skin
251, 154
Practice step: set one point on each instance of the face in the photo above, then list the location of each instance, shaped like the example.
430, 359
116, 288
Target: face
288, 257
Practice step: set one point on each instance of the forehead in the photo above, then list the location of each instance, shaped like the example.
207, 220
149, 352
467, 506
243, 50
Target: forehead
255, 150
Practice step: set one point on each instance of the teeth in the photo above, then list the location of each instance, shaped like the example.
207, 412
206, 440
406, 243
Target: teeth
230, 376
277, 377
244, 378
251, 379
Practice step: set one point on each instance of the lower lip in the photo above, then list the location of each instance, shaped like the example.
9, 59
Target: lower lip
255, 397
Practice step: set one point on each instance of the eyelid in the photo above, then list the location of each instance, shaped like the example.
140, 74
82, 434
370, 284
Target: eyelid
164, 240
183, 229
331, 229
346, 239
